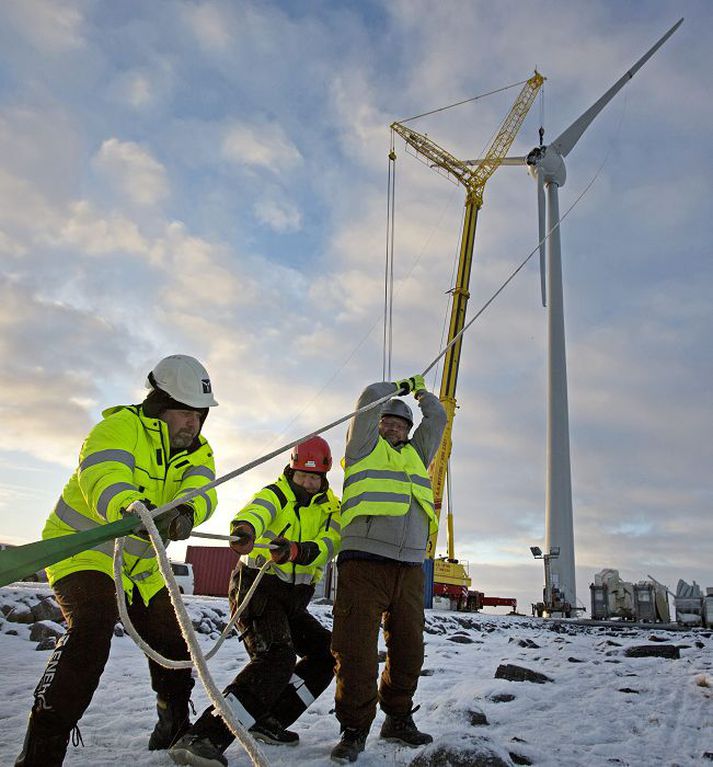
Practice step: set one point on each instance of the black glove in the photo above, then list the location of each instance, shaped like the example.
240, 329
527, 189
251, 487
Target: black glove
245, 533
180, 525
284, 551
141, 532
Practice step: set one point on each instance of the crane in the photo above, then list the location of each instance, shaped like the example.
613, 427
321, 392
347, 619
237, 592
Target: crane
450, 572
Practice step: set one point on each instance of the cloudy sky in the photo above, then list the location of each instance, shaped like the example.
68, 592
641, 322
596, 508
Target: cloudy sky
210, 178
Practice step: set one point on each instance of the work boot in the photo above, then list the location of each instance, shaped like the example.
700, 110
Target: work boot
172, 722
45, 741
269, 730
198, 751
350, 746
402, 729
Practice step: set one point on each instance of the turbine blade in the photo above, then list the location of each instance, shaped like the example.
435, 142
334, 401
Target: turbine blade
568, 138
542, 232
504, 161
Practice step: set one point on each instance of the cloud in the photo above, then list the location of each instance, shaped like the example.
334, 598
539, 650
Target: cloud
261, 146
132, 171
282, 216
51, 27
211, 23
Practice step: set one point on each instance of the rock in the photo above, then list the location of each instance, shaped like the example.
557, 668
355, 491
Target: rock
44, 629
575, 660
520, 674
708, 755
477, 718
426, 672
12, 632
323, 601
48, 643
456, 749
525, 643
47, 610
629, 691
119, 630
655, 651
519, 758
20, 614
460, 639
502, 697
654, 638
382, 656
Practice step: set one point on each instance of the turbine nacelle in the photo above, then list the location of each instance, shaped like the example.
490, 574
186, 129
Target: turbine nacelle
547, 163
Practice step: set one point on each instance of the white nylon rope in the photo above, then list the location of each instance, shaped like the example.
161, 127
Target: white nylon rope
184, 621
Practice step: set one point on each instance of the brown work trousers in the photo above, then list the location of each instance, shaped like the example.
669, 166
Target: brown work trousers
369, 591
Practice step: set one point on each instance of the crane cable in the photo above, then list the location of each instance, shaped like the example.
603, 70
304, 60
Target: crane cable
464, 101
389, 264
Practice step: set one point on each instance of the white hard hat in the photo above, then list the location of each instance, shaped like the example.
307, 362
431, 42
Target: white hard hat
184, 379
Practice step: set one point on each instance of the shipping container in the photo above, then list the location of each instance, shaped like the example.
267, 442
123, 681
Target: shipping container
212, 566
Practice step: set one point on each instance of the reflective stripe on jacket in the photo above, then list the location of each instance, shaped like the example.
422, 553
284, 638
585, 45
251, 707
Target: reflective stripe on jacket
126, 457
274, 511
384, 482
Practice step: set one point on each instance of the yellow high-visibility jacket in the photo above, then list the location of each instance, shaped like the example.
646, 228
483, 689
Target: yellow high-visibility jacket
126, 457
384, 482
274, 511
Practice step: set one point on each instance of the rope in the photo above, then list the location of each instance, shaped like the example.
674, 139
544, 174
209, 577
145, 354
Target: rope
184, 621
459, 103
389, 264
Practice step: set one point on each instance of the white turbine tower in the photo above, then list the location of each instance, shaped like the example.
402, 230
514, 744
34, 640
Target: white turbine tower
546, 165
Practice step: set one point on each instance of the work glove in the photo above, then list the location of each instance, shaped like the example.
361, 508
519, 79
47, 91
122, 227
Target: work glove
141, 532
283, 551
245, 533
178, 524
408, 385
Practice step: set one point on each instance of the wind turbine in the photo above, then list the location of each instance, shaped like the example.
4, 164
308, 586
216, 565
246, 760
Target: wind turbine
546, 166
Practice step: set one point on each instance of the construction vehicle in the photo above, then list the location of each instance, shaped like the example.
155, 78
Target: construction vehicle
449, 576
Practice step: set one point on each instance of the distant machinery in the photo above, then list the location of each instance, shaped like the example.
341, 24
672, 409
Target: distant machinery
613, 598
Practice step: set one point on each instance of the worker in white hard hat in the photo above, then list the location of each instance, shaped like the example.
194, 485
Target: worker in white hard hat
153, 452
387, 517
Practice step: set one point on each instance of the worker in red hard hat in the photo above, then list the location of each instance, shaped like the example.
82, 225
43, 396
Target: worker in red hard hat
298, 518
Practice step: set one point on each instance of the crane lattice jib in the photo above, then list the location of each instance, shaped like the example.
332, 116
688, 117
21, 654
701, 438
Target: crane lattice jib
474, 179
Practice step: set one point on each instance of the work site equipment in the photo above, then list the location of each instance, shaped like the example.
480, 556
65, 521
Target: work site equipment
474, 180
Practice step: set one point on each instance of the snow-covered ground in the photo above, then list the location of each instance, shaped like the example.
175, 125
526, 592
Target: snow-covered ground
601, 707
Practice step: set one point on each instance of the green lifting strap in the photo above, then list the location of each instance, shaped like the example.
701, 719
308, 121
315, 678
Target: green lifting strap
20, 561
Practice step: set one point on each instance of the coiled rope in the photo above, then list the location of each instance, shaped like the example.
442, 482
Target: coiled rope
184, 621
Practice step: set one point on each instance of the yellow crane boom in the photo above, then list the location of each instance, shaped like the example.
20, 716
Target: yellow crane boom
473, 179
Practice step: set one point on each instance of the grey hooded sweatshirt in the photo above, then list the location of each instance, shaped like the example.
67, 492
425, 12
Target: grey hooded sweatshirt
404, 538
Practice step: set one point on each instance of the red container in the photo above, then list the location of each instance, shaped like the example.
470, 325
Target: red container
212, 566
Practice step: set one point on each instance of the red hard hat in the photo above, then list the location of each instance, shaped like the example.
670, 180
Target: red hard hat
311, 455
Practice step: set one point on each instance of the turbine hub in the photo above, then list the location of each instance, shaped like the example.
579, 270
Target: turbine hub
551, 163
